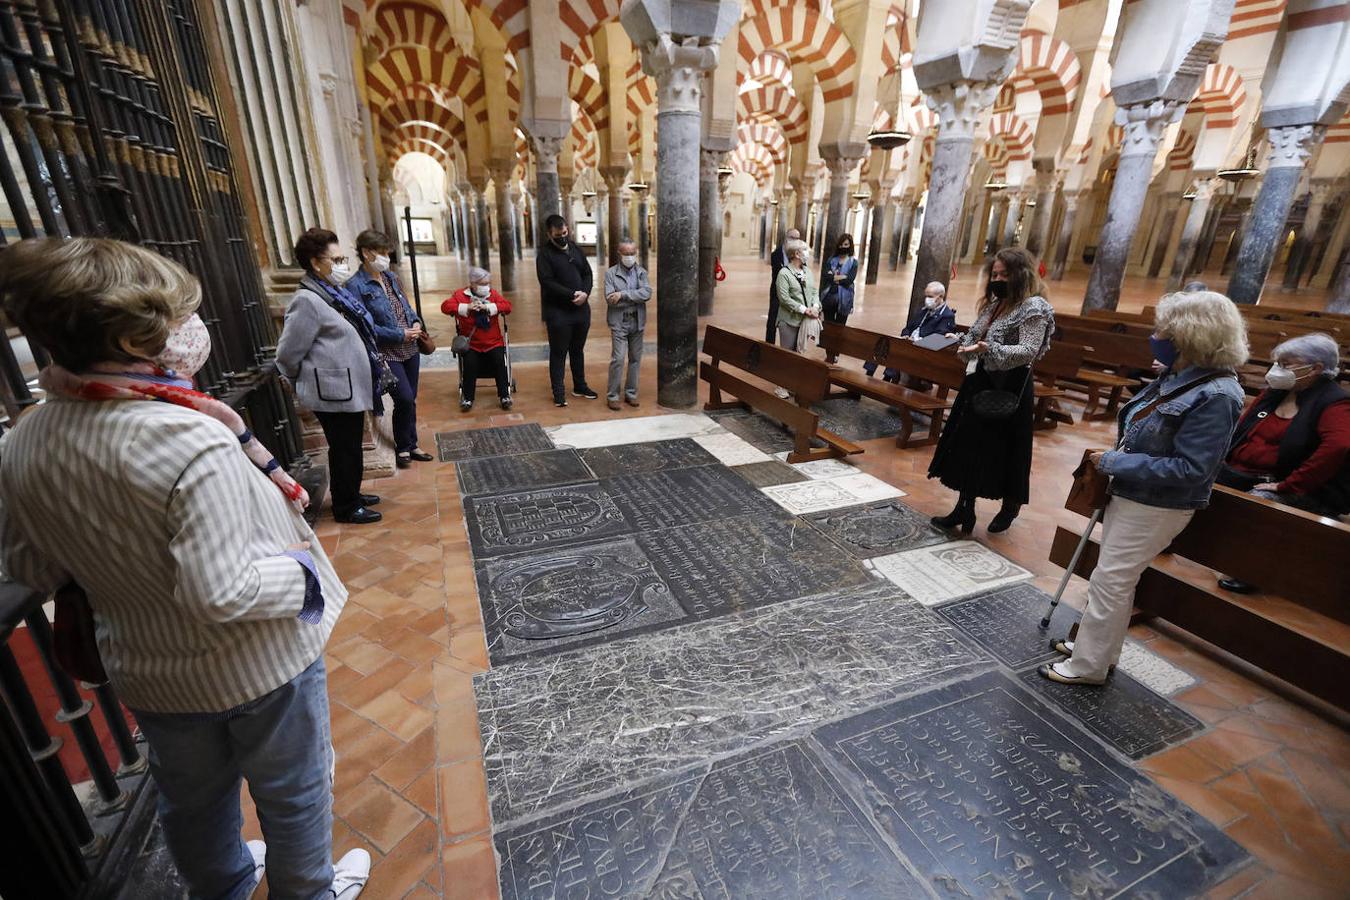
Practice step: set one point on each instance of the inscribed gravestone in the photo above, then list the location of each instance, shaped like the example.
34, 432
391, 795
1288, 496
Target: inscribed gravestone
524, 520
475, 442
878, 528
650, 456
654, 500
521, 471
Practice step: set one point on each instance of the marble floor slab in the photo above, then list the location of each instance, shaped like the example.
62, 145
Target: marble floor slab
858, 420
538, 602
833, 493
603, 719
768, 823
1153, 671
648, 456
475, 442
730, 449
764, 433
673, 497
769, 473
608, 432
886, 526
521, 471
733, 564
988, 793
549, 517
943, 572
821, 468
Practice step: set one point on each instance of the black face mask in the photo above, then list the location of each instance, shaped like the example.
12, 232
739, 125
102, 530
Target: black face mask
560, 242
999, 289
846, 250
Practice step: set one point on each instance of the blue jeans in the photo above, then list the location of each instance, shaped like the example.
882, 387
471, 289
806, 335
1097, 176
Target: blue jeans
405, 403
280, 744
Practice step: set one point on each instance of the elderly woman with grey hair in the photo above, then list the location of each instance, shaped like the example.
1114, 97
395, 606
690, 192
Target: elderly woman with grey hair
798, 296
1293, 443
478, 310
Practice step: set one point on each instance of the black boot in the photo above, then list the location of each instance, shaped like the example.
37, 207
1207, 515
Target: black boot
962, 517
1005, 517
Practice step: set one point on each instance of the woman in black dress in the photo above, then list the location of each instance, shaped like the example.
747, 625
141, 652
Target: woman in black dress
981, 456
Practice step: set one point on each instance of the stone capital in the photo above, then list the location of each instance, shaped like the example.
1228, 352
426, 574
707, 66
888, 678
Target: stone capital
615, 177
1071, 199
958, 105
1144, 124
709, 161
842, 162
546, 151
1291, 145
678, 66
1203, 188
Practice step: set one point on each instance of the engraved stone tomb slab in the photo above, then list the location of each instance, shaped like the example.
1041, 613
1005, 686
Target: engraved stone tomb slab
768, 473
821, 468
1006, 622
540, 602
650, 456
888, 526
761, 431
732, 564
770, 823
525, 520
990, 794
832, 493
858, 420
521, 471
475, 442
731, 450
943, 572
1123, 713
653, 500
641, 706
607, 432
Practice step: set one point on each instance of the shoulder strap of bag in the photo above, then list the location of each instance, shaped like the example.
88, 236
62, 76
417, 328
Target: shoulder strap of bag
1163, 398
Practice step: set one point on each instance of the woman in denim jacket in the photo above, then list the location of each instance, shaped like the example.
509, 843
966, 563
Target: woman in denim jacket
1171, 442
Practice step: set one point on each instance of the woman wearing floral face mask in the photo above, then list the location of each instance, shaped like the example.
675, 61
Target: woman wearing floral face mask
397, 329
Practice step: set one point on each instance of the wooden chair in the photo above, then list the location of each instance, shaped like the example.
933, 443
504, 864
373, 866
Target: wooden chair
807, 380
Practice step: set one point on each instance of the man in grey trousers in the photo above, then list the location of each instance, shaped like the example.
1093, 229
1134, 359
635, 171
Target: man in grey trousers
627, 291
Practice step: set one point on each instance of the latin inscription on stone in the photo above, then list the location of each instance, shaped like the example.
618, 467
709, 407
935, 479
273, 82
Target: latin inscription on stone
1123, 712
767, 474
547, 600
1006, 622
521, 471
987, 793
476, 442
878, 528
654, 500
718, 567
943, 572
762, 432
651, 456
509, 523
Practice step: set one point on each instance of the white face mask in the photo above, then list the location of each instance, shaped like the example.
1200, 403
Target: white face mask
187, 348
628, 261
1282, 379
340, 273
380, 263
932, 302
480, 290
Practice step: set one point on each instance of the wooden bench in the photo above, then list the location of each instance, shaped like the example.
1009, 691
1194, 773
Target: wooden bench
807, 380
1299, 630
1112, 349
1064, 361
943, 368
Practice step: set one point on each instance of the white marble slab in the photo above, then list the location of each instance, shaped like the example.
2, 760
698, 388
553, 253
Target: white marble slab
804, 497
822, 468
1152, 670
731, 449
607, 433
943, 572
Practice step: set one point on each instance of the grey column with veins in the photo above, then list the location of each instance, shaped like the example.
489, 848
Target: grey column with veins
1065, 239
1183, 259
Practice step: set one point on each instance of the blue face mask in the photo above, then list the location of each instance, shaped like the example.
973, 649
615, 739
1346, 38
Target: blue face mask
1164, 351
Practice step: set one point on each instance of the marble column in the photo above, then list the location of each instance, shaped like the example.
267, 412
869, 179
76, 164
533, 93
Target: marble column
784, 209
709, 225
907, 239
841, 167
1300, 255
1339, 301
803, 188
898, 234
506, 233
1290, 146
1144, 124
1162, 235
1038, 229
997, 210
484, 226
1064, 240
465, 225
819, 243
643, 236
601, 232
565, 203
1014, 215
1184, 258
548, 196
614, 181
881, 209
764, 230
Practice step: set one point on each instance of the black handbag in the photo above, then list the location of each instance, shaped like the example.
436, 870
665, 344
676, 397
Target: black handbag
997, 405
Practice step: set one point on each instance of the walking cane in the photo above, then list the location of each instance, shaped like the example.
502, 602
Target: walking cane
412, 261
1073, 564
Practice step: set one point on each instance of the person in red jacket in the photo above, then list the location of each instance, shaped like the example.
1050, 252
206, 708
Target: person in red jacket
478, 310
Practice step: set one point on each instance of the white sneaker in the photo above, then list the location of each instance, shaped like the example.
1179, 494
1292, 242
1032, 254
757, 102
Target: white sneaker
350, 875
259, 852
781, 393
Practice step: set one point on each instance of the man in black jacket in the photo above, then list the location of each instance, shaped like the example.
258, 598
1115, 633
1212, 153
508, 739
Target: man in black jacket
565, 283
777, 260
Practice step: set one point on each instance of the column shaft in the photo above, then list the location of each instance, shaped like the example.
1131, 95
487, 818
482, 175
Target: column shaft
615, 220
506, 231
1190, 235
897, 235
1065, 238
1163, 236
677, 206
838, 214
709, 227
643, 237
1010, 223
879, 211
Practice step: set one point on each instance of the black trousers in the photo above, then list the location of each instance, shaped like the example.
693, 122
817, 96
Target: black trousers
345, 459
489, 362
771, 327
567, 341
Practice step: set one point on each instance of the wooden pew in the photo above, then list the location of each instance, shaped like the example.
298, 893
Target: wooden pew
942, 368
807, 380
1064, 361
1111, 350
1299, 630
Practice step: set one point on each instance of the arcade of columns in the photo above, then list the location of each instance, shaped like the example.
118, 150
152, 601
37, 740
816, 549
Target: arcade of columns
1067, 126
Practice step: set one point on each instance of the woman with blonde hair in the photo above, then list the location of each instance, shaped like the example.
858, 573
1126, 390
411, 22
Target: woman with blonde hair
1171, 440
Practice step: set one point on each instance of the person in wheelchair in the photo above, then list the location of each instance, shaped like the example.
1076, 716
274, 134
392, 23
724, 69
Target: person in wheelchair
478, 310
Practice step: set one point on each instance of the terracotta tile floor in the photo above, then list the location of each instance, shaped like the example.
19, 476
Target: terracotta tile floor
410, 785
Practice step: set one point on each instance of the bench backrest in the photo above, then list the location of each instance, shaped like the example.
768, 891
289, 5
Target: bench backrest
808, 379
942, 367
1063, 360
1105, 346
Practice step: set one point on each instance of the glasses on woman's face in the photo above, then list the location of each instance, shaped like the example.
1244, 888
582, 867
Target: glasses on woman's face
335, 260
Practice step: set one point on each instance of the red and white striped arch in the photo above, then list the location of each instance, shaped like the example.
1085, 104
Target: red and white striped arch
409, 25
451, 71
775, 103
410, 110
1014, 133
753, 159
1220, 96
1253, 17
1179, 158
1053, 68
805, 35
769, 136
771, 67
589, 94
581, 17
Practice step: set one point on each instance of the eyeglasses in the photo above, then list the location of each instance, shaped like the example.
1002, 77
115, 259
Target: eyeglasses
335, 260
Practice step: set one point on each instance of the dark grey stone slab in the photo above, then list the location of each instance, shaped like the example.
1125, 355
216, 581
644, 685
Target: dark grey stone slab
540, 602
772, 823
654, 500
1122, 712
768, 473
649, 456
604, 718
989, 794
858, 420
475, 442
1006, 622
887, 526
525, 520
759, 431
521, 471
733, 564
